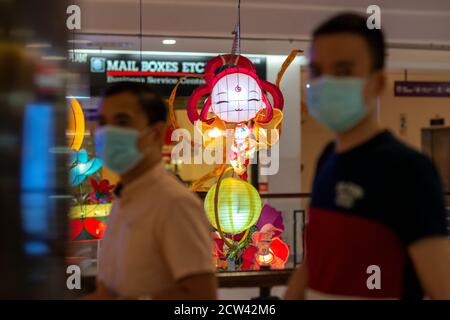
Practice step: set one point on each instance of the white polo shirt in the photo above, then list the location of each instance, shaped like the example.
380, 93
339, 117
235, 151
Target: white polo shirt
157, 233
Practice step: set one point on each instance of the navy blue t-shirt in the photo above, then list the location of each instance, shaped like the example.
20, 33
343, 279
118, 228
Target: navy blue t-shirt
368, 205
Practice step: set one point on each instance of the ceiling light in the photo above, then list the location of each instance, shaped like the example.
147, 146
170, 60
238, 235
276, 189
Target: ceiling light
53, 58
79, 41
169, 41
38, 45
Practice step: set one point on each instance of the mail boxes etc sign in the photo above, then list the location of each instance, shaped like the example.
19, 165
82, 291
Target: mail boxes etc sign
163, 72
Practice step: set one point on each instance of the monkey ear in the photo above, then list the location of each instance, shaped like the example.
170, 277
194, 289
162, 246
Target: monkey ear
275, 92
192, 103
277, 96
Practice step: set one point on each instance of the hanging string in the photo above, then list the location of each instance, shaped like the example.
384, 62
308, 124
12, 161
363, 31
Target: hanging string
140, 33
239, 29
73, 46
236, 48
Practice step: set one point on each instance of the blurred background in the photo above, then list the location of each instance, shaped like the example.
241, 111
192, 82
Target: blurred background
34, 197
51, 77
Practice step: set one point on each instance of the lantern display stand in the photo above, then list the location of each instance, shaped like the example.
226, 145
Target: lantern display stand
238, 110
265, 280
92, 202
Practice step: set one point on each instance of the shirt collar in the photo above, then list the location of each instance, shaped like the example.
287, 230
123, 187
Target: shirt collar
150, 176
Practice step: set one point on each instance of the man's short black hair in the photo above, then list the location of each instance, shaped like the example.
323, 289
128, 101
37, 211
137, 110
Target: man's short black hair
356, 24
150, 100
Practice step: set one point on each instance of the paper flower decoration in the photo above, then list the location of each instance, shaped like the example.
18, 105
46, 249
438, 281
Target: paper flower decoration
239, 205
266, 234
219, 256
101, 191
270, 215
248, 258
82, 167
94, 227
88, 222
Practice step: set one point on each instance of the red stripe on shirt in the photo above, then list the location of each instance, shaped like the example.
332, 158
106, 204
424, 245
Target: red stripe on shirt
340, 248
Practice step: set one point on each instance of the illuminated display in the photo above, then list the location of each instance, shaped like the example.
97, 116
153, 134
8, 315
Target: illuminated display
239, 205
76, 127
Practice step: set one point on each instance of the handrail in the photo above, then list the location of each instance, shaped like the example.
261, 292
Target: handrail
288, 195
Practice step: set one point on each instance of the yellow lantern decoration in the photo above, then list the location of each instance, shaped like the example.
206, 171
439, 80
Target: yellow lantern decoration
76, 125
238, 206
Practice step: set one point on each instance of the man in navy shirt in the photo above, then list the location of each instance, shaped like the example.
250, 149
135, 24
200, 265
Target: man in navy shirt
376, 226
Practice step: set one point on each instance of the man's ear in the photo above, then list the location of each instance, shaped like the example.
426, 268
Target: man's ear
380, 82
160, 129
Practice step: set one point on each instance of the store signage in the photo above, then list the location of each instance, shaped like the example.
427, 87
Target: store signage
421, 89
437, 122
163, 72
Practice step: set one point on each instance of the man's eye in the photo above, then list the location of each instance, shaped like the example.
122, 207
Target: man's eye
344, 72
222, 101
123, 123
254, 99
314, 72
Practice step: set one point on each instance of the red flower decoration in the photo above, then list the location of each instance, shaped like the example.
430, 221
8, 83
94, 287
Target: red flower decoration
95, 227
75, 228
102, 191
248, 258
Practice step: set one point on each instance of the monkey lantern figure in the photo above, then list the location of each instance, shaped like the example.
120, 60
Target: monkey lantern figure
237, 108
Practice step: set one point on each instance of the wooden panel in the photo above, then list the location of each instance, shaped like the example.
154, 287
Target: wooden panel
436, 144
441, 154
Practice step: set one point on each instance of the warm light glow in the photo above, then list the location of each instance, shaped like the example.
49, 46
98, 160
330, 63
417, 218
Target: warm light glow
265, 259
215, 132
277, 256
239, 205
169, 41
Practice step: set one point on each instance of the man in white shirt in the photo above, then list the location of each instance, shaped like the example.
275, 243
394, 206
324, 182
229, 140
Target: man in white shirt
157, 244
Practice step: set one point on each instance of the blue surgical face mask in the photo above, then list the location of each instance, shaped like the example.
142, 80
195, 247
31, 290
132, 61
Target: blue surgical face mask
337, 103
118, 148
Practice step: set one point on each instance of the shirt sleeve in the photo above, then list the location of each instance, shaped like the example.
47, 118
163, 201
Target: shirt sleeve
185, 237
420, 201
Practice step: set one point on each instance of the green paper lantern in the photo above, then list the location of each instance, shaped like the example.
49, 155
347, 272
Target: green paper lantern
239, 205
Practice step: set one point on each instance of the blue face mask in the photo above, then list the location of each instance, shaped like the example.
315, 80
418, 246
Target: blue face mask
118, 148
337, 103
